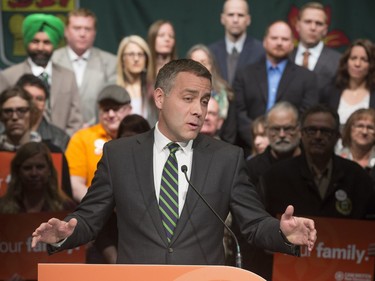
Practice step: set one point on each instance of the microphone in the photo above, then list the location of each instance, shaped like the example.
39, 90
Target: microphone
238, 251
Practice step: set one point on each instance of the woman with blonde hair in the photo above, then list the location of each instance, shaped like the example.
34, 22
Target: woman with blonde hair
135, 72
358, 138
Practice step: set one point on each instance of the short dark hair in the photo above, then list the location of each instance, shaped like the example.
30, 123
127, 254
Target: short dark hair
132, 124
167, 74
320, 108
32, 80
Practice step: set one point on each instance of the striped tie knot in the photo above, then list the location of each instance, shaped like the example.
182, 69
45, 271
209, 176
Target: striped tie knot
173, 147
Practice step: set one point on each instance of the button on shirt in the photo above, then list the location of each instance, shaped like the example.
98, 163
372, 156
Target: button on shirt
79, 64
160, 155
274, 74
313, 57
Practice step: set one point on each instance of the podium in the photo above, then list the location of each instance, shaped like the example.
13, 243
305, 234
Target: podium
122, 272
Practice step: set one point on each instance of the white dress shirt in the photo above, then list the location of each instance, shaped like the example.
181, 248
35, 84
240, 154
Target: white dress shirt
238, 44
314, 54
184, 157
38, 70
79, 64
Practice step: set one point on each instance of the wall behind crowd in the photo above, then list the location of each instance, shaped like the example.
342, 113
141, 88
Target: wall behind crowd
196, 21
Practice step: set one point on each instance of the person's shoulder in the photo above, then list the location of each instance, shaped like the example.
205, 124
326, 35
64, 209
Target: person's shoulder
332, 52
103, 53
219, 44
13, 68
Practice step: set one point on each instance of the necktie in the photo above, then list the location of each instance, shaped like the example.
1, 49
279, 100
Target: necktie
232, 64
44, 77
305, 61
168, 199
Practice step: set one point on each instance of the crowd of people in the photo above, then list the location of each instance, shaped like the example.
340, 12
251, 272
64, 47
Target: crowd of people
302, 119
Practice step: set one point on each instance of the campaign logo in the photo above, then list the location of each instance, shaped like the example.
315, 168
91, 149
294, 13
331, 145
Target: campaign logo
12, 14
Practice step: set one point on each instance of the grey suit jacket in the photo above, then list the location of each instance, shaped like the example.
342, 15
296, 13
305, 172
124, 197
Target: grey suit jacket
65, 107
124, 180
297, 86
326, 66
100, 70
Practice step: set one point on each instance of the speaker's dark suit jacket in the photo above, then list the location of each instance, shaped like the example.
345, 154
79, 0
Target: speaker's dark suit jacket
297, 86
252, 52
124, 180
326, 66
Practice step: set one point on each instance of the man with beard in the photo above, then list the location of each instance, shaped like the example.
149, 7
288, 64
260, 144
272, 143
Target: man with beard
276, 78
237, 49
283, 132
318, 182
42, 34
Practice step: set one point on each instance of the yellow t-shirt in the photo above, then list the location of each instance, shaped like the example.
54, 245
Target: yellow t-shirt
84, 151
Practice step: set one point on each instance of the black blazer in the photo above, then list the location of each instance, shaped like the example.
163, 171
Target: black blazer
252, 52
124, 180
330, 95
297, 86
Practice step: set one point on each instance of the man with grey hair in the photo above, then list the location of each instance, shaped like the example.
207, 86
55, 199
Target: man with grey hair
283, 132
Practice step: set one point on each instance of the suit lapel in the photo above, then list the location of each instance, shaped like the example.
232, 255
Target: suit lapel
286, 78
322, 60
200, 165
261, 76
143, 159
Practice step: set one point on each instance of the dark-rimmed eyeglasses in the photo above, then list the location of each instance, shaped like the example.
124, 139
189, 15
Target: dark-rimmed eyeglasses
134, 55
369, 128
7, 113
324, 131
276, 130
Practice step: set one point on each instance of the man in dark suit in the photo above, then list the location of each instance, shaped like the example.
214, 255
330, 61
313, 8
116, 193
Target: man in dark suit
259, 86
131, 177
41, 34
235, 18
311, 52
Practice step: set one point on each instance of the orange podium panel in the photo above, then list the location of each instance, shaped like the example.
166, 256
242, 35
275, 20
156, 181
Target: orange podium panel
121, 272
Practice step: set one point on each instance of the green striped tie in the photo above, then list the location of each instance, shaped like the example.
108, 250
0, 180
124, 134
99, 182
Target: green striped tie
168, 199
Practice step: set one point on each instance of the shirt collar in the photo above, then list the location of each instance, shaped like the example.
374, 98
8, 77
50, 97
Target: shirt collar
161, 141
281, 65
314, 51
37, 70
74, 57
238, 44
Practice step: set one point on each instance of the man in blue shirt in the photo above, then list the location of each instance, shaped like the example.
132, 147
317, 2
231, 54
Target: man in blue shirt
276, 78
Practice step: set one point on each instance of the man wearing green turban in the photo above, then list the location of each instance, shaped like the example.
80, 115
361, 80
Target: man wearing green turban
42, 34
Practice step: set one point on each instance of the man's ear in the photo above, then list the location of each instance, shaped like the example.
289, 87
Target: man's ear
159, 98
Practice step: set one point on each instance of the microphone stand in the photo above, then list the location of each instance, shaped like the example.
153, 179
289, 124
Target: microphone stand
238, 251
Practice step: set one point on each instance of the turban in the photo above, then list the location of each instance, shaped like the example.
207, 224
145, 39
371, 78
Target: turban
49, 24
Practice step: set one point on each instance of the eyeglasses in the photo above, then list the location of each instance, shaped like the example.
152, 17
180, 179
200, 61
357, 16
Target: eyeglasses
288, 130
113, 107
20, 112
369, 128
312, 130
133, 55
